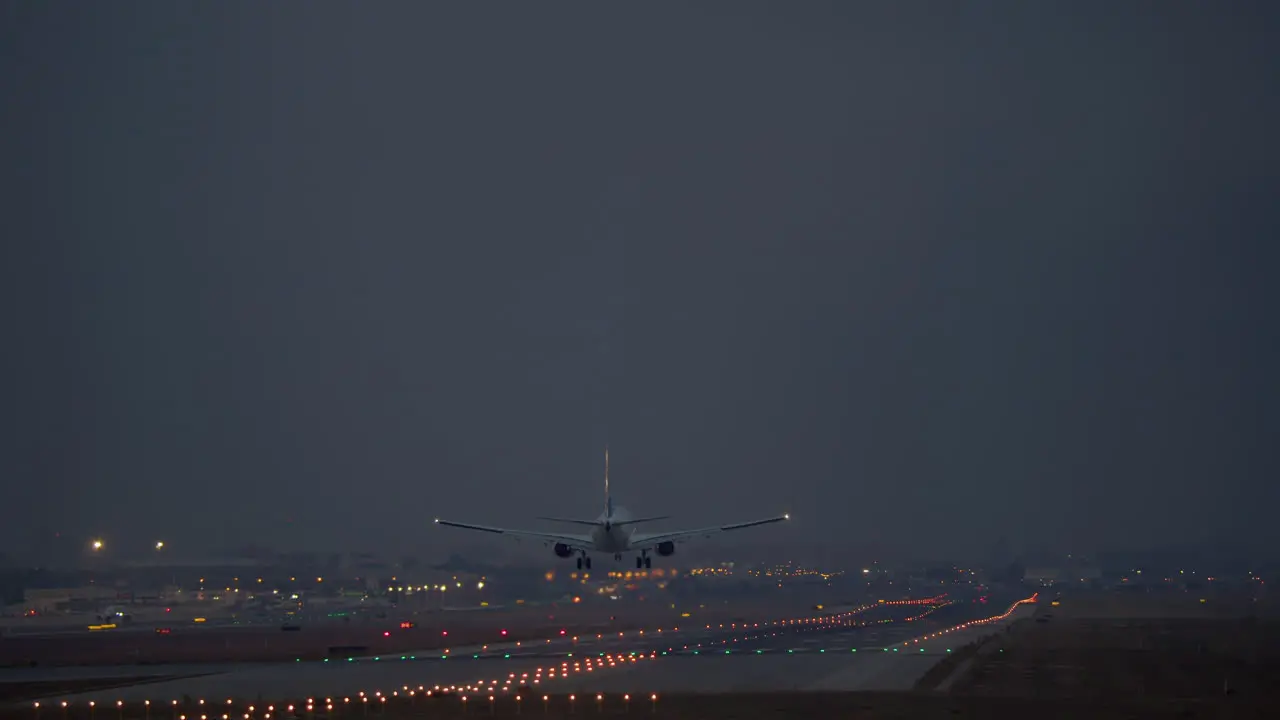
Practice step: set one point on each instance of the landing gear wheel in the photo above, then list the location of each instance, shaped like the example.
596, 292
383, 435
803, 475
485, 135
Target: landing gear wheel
639, 562
579, 563
587, 562
648, 563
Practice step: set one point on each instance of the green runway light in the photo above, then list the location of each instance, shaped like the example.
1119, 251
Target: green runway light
377, 658
948, 649
726, 652
402, 657
695, 652
822, 650
507, 655
473, 657
758, 652
326, 659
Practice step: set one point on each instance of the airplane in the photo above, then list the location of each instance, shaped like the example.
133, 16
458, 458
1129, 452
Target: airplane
613, 533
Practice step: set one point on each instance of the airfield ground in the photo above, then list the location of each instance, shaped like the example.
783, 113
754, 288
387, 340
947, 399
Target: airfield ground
222, 643
1094, 655
1146, 652
880, 645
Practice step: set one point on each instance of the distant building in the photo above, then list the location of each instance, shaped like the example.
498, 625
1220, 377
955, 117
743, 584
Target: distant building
1086, 575
83, 599
229, 563
1063, 576
1041, 576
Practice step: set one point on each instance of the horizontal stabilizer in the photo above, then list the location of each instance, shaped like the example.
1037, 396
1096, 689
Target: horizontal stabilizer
571, 521
637, 521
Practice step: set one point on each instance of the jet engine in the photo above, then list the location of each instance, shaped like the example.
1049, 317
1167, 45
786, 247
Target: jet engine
666, 549
563, 550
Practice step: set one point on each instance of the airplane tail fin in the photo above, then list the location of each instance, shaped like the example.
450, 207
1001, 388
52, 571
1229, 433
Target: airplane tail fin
608, 499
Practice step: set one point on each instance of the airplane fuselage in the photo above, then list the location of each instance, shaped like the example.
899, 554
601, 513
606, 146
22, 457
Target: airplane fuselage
609, 536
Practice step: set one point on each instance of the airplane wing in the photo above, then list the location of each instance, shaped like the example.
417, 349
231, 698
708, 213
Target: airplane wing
644, 542
580, 542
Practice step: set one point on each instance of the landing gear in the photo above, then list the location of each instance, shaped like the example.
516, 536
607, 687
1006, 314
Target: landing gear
643, 562
584, 562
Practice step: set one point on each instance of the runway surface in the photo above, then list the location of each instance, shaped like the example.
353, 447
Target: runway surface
882, 646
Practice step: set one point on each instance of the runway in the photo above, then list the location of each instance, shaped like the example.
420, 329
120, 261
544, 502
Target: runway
882, 646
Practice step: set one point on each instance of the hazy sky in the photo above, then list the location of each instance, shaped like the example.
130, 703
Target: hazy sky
922, 274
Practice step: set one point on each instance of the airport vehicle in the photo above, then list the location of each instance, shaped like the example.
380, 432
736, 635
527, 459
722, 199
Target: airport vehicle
115, 614
613, 533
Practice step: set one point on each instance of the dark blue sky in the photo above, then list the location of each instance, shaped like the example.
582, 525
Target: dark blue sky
924, 274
